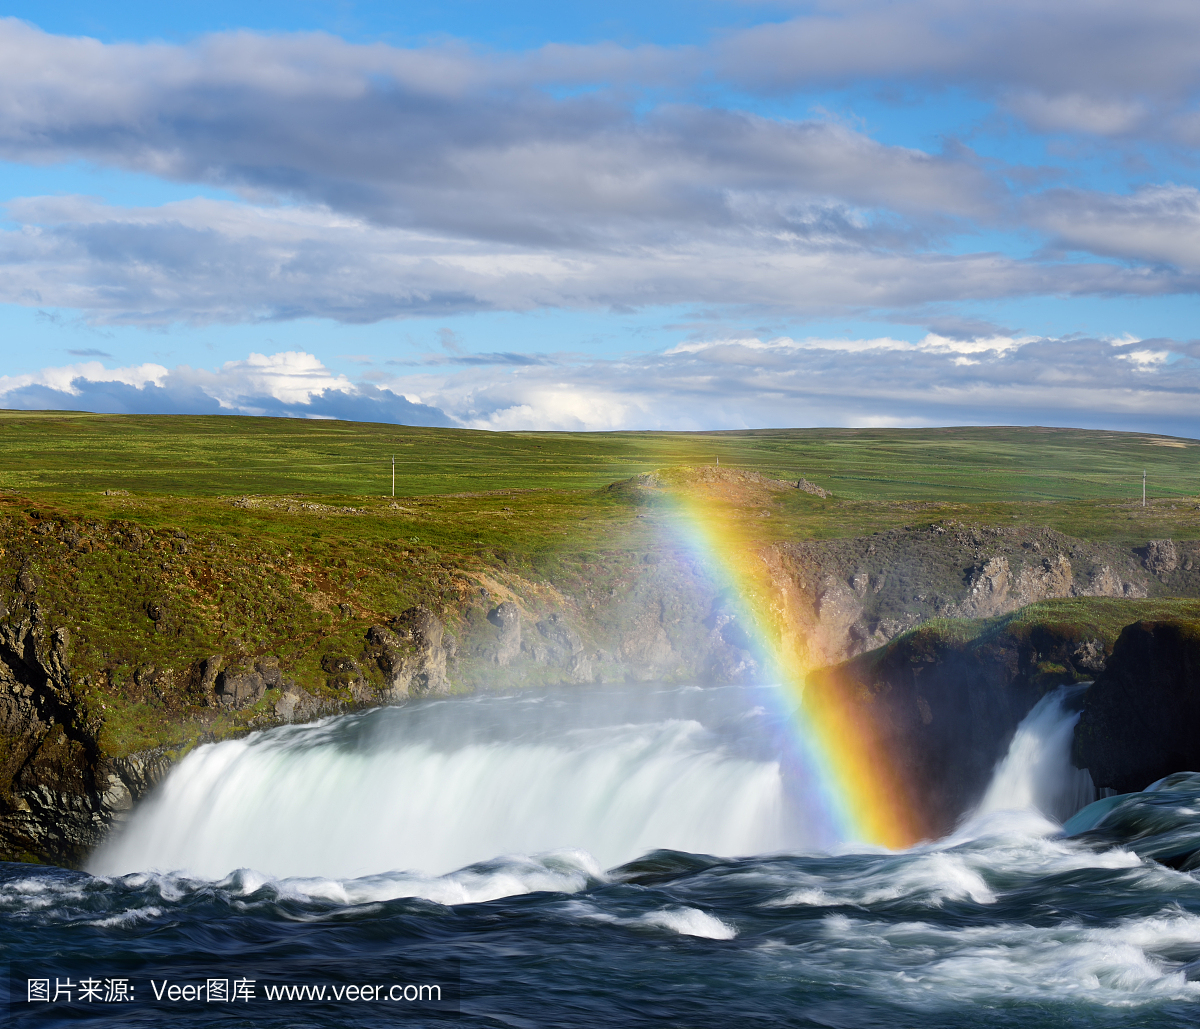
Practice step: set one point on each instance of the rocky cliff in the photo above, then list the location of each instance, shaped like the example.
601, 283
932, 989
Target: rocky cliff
1141, 718
946, 699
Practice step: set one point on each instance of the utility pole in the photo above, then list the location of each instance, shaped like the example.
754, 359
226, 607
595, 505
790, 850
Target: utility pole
393, 476
1143, 487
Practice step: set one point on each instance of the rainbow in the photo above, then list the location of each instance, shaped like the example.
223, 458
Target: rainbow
858, 785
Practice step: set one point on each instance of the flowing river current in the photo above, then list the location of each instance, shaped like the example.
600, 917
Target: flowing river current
622, 856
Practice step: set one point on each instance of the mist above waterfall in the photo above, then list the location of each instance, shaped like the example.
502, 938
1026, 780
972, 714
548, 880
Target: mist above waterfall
438, 785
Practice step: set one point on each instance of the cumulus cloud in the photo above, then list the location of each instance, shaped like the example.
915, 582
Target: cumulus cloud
291, 384
1151, 385
752, 383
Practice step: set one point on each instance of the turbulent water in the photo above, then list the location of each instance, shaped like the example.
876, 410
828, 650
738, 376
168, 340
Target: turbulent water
636, 857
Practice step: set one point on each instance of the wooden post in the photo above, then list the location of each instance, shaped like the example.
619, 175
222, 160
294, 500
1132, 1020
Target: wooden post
393, 476
1143, 487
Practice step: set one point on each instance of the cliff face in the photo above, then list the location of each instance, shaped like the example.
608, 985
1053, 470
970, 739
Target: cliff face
852, 596
946, 708
1141, 719
57, 794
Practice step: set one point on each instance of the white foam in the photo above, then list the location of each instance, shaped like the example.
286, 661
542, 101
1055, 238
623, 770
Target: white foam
1036, 774
306, 801
690, 922
915, 961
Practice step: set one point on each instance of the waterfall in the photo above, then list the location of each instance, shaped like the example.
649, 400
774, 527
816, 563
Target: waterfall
436, 786
1036, 773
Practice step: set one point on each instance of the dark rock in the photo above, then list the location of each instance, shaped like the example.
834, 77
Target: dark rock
210, 668
944, 712
268, 667
1141, 719
338, 664
296, 705
240, 689
48, 786
411, 654
1089, 656
507, 618
558, 645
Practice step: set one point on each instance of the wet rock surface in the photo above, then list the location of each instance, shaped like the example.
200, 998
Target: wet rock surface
1141, 718
49, 803
945, 710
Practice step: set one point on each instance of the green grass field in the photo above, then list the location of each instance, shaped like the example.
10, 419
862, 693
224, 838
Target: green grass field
188, 456
529, 491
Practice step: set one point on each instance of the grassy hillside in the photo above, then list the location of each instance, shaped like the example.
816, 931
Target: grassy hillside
1081, 482
210, 456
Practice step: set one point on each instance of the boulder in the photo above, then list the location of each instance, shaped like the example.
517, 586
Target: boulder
558, 645
241, 689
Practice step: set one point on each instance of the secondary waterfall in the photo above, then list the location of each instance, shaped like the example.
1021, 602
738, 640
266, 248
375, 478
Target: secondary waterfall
435, 786
1037, 773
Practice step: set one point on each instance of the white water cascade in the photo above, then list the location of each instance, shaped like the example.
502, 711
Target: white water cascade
1036, 773
436, 786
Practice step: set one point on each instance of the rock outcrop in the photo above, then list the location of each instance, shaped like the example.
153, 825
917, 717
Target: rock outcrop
1162, 557
412, 654
944, 710
250, 685
559, 645
49, 803
1141, 718
506, 617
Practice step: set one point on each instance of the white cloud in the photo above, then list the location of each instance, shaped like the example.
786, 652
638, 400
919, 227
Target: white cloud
1144, 360
1159, 224
291, 377
751, 383
1102, 67
930, 343
1148, 385
218, 261
291, 383
445, 139
380, 182
1075, 112
63, 378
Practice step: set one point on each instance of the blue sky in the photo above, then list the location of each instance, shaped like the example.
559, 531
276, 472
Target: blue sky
604, 216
